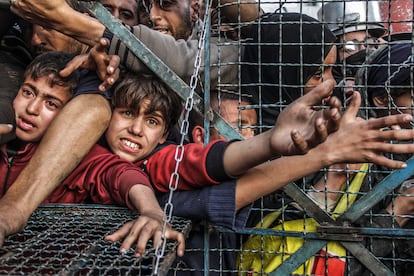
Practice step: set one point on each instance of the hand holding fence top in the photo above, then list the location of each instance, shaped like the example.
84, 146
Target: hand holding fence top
148, 225
141, 230
106, 66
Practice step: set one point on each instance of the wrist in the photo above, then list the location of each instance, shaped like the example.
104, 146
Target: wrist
321, 156
12, 219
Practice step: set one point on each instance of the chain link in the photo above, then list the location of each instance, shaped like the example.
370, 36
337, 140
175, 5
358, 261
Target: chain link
179, 151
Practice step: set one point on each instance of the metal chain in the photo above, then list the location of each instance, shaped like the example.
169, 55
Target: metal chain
388, 85
179, 151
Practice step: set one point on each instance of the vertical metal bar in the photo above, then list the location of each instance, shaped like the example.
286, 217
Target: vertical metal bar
207, 73
206, 250
206, 118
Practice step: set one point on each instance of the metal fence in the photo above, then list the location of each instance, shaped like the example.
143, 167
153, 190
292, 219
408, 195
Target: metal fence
69, 240
313, 226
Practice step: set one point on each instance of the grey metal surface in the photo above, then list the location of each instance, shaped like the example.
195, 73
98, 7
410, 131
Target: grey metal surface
69, 240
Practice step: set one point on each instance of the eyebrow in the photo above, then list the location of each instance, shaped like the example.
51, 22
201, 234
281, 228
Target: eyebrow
44, 95
120, 8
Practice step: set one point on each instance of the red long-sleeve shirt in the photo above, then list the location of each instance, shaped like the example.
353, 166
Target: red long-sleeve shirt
200, 166
101, 177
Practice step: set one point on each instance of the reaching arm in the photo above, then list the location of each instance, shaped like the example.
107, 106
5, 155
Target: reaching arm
301, 118
58, 15
355, 141
299, 127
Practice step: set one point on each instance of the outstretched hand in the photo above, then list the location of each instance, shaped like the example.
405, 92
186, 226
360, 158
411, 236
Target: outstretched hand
142, 230
358, 140
106, 66
300, 126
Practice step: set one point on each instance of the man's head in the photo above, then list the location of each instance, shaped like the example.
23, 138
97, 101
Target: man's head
42, 95
231, 108
45, 40
387, 80
356, 24
174, 17
125, 10
145, 110
41, 39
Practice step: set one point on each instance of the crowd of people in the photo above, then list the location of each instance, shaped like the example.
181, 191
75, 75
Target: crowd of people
84, 120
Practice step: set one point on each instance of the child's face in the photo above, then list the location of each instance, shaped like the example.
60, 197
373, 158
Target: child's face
36, 105
134, 136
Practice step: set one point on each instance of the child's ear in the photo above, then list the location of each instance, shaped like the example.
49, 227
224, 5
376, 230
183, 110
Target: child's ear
380, 101
198, 135
164, 138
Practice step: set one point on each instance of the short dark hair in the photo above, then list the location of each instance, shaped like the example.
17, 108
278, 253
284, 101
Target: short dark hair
49, 65
216, 97
132, 89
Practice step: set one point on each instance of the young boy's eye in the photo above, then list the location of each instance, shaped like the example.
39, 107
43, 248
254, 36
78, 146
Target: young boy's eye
52, 105
127, 113
152, 122
27, 92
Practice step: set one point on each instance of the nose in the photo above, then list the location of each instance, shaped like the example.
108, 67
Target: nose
328, 75
34, 107
136, 127
115, 13
155, 14
36, 40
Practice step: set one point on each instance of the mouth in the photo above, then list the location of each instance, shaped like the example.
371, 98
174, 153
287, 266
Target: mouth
163, 30
40, 50
25, 124
131, 145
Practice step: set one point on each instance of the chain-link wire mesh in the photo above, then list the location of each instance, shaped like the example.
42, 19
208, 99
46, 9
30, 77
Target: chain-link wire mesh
69, 240
348, 219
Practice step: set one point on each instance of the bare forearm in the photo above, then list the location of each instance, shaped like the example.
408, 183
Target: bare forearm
60, 16
143, 199
81, 27
67, 141
240, 156
273, 175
